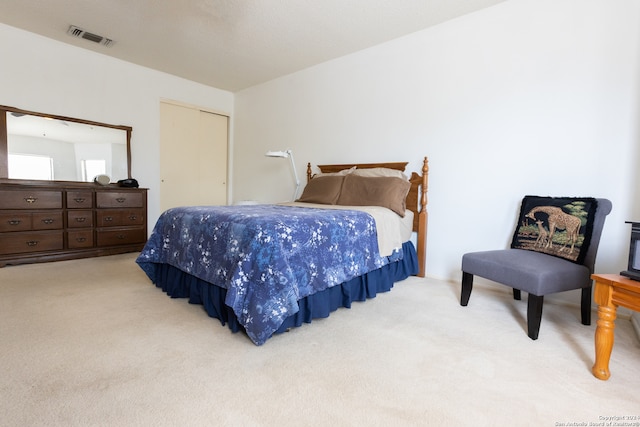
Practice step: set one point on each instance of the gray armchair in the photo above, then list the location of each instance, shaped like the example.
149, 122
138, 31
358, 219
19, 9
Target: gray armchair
537, 273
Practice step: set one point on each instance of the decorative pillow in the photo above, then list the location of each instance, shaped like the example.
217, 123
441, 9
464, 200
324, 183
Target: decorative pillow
558, 226
322, 189
389, 192
380, 172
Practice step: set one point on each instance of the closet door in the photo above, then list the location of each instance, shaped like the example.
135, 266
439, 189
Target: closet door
193, 156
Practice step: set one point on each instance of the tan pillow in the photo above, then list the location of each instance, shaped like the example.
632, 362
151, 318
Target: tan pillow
322, 189
374, 172
389, 192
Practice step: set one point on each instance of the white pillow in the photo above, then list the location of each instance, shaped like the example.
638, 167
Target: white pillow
343, 172
376, 172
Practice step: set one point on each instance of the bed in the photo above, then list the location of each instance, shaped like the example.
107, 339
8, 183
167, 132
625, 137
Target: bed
263, 269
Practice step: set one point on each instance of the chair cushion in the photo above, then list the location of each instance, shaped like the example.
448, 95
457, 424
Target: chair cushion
558, 226
529, 271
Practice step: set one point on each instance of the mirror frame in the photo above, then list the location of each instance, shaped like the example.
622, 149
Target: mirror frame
4, 144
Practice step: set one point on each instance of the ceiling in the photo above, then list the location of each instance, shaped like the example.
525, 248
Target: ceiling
232, 44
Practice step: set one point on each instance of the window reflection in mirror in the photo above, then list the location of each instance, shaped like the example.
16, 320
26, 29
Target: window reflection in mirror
72, 150
28, 166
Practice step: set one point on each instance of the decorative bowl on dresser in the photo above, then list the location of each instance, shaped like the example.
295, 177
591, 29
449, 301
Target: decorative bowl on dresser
51, 221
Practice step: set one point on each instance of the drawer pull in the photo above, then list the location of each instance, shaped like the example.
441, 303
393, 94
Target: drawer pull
30, 199
48, 221
108, 218
79, 199
32, 242
133, 217
121, 199
121, 236
81, 219
14, 222
81, 239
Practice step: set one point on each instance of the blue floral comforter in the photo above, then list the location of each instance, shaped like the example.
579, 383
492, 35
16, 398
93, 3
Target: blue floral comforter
267, 256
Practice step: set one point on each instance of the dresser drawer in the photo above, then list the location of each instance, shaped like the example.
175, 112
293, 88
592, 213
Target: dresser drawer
119, 217
46, 220
25, 199
119, 199
79, 239
26, 221
19, 221
30, 241
79, 199
120, 236
79, 219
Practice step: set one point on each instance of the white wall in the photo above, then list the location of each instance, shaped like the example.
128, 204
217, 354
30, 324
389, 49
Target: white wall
526, 97
40, 74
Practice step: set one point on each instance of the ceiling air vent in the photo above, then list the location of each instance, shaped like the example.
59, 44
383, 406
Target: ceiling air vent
82, 34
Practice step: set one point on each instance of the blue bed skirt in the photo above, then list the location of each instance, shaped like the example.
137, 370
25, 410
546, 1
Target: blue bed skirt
178, 284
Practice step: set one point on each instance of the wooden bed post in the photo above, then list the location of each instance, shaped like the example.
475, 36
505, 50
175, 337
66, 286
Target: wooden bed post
309, 175
422, 221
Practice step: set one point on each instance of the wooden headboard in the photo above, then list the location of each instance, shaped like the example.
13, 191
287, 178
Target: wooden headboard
416, 199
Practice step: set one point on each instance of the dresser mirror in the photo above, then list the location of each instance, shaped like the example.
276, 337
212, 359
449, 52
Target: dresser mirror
39, 146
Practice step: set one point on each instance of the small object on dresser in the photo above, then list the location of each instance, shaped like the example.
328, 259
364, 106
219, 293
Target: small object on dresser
128, 183
102, 179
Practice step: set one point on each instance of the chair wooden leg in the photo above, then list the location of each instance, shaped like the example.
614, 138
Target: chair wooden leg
534, 315
516, 294
585, 306
467, 286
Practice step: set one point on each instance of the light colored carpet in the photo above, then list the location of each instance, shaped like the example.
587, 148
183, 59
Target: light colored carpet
93, 342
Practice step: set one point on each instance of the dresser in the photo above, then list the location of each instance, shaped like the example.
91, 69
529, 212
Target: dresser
42, 222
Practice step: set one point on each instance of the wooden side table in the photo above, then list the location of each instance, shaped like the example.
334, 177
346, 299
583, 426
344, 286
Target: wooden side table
611, 291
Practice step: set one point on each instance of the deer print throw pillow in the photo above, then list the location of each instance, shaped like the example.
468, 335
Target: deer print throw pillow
558, 226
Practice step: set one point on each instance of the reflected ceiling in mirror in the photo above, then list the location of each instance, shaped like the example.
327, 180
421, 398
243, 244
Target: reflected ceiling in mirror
58, 148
